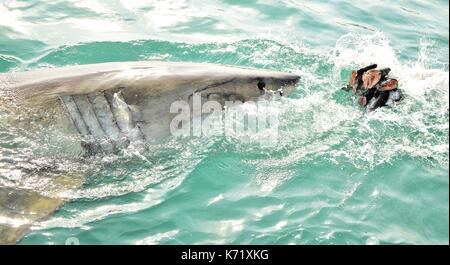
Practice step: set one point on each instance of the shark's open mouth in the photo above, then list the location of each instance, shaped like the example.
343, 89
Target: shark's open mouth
224, 97
221, 97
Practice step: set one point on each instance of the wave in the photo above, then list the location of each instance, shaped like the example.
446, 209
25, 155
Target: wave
320, 123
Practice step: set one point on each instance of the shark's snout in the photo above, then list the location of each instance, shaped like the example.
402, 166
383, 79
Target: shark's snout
292, 80
286, 84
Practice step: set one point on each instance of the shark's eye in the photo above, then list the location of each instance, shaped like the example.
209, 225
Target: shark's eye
261, 85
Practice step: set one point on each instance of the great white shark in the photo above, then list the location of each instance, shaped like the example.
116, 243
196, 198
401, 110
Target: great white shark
109, 105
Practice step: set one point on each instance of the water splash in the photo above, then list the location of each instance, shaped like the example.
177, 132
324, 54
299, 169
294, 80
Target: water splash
319, 124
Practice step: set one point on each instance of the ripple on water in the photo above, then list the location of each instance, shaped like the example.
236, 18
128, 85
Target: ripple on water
336, 175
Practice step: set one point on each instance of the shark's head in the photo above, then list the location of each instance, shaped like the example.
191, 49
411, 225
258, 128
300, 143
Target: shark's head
128, 94
151, 89
229, 83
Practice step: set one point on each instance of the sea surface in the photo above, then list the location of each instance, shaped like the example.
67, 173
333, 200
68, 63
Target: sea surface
336, 175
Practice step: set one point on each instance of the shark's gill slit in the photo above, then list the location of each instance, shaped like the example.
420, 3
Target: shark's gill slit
135, 126
124, 117
90, 118
104, 115
94, 114
74, 114
109, 99
81, 108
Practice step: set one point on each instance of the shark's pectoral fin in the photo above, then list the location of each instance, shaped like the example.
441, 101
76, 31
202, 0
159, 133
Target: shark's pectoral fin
20, 209
10, 235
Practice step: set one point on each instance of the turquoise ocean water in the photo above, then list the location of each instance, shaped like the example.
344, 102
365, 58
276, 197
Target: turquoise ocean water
336, 175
